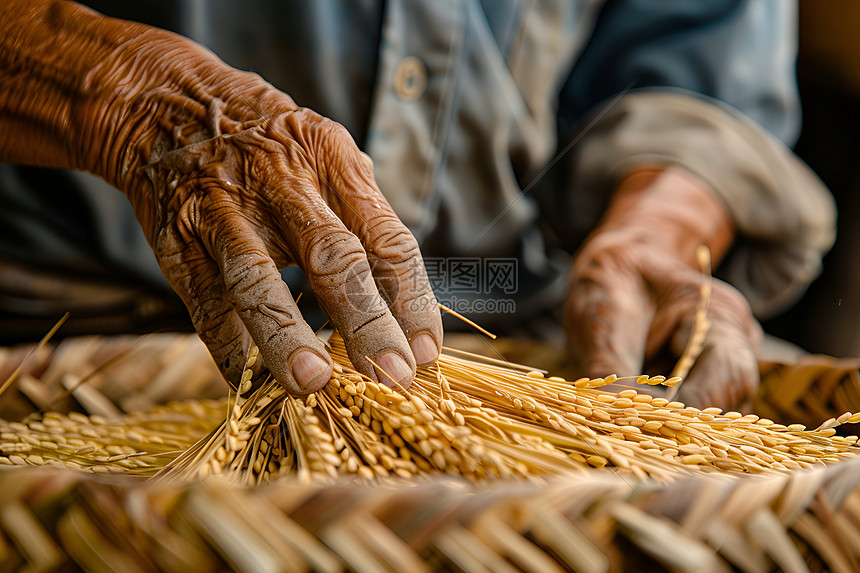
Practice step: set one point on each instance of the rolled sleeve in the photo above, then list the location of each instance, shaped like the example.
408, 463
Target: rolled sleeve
784, 215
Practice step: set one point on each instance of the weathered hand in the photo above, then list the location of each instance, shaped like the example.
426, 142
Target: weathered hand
230, 211
635, 288
230, 181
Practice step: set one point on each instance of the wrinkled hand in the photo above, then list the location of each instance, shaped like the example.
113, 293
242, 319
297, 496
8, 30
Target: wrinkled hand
230, 211
635, 289
231, 181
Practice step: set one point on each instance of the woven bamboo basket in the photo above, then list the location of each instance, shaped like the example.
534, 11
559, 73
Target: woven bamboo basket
600, 520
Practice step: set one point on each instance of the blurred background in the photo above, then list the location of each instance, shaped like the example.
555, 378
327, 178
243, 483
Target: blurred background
827, 320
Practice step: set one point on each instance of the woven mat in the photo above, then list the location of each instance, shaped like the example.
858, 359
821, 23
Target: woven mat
805, 520
809, 520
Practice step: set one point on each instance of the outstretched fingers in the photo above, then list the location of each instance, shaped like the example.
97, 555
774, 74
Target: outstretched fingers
196, 278
258, 295
339, 273
392, 251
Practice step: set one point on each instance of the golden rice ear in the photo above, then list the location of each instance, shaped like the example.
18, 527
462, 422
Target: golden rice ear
701, 326
478, 418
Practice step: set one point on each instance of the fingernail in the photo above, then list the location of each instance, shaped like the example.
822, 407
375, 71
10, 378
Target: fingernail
396, 368
309, 370
424, 349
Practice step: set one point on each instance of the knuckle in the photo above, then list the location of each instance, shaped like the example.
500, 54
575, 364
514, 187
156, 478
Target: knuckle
247, 272
392, 241
301, 120
340, 273
306, 127
307, 116
365, 161
333, 254
335, 132
399, 272
320, 129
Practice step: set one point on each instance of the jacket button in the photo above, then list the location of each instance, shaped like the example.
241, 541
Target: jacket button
410, 78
